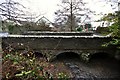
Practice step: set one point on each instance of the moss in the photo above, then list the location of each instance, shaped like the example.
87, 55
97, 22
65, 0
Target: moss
85, 56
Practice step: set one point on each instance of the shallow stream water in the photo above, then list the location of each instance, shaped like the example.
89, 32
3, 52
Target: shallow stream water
100, 66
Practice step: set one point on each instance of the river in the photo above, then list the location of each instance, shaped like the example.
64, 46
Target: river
98, 67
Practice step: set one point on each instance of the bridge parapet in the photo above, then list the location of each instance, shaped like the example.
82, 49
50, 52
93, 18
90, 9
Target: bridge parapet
57, 42
89, 33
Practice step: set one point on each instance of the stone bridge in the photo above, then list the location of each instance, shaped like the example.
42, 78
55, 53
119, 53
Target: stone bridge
52, 45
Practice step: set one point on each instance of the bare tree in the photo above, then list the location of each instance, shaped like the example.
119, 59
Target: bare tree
113, 3
71, 13
13, 10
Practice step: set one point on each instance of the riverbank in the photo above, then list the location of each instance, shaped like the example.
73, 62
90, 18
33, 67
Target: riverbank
25, 66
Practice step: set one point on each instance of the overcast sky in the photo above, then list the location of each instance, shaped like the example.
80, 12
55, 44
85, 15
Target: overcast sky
48, 7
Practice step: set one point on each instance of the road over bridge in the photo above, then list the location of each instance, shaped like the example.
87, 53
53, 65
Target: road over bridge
52, 44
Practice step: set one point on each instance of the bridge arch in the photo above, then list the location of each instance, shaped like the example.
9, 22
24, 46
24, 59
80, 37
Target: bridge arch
67, 55
100, 55
38, 54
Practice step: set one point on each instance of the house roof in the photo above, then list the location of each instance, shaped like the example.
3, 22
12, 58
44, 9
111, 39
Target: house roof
44, 18
47, 20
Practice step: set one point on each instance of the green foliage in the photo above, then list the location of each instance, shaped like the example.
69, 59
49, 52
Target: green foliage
62, 76
103, 30
110, 17
114, 29
23, 67
114, 42
85, 56
79, 29
10, 28
23, 73
16, 29
28, 68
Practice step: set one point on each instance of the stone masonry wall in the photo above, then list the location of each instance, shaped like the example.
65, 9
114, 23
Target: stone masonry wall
60, 43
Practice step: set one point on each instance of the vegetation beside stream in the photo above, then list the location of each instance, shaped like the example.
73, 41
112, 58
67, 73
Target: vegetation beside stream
27, 66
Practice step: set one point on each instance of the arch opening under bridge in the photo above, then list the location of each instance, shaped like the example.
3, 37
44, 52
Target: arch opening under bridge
67, 55
100, 56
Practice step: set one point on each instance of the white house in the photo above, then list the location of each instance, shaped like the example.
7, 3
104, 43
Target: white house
101, 24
